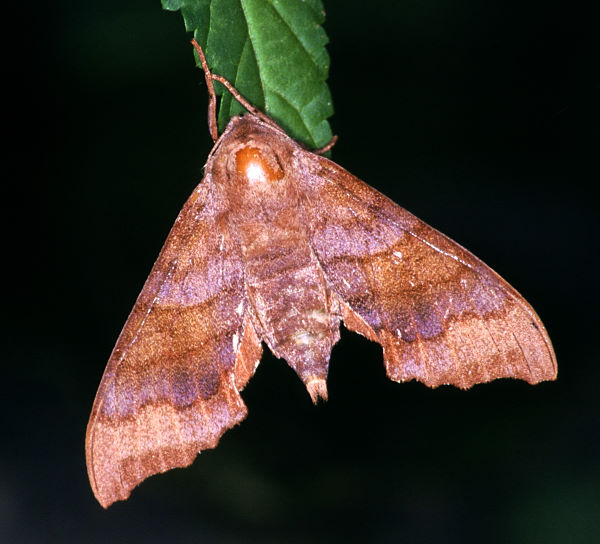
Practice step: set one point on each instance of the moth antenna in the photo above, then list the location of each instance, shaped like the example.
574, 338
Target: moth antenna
235, 93
212, 97
212, 102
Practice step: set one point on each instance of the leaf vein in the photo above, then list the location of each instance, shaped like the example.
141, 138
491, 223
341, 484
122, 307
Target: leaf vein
256, 59
287, 101
295, 35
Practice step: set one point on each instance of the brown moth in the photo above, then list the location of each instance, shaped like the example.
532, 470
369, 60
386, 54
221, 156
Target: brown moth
280, 245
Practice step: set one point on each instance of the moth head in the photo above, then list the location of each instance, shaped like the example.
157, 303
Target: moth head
251, 154
256, 164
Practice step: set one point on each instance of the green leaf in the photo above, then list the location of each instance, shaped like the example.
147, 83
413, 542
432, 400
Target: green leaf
273, 52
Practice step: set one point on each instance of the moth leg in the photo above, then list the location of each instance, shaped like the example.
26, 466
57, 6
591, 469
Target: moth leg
326, 148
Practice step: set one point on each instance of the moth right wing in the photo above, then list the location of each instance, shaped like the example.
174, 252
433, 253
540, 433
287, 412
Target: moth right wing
441, 315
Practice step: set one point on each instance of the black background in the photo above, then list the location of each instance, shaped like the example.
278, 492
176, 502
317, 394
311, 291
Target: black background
479, 117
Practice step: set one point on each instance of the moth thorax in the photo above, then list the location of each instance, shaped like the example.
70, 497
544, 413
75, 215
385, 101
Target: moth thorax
258, 166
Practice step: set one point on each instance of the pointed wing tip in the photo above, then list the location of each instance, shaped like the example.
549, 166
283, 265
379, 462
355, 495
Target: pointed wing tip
122, 453
545, 375
109, 493
107, 500
105, 486
108, 483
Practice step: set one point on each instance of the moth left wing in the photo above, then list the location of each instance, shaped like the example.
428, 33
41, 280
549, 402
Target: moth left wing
441, 315
170, 388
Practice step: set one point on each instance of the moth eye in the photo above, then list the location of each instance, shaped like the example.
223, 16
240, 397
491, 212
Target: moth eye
251, 163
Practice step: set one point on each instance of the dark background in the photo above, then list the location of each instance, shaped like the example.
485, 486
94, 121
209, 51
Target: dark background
479, 117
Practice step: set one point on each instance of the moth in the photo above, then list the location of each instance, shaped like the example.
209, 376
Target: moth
279, 245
